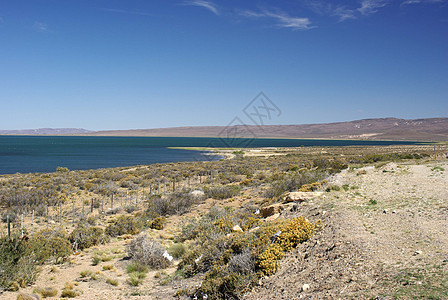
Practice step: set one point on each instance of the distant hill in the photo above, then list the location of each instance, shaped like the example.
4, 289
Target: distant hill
433, 129
45, 131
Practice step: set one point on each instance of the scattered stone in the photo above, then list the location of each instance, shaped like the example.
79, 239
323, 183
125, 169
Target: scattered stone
272, 218
197, 193
385, 211
305, 287
254, 229
237, 228
272, 210
418, 252
301, 196
394, 211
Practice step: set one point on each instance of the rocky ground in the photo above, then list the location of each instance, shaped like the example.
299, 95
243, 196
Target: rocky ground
383, 234
384, 237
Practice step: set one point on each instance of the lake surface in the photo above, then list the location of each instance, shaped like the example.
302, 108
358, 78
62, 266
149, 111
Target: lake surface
28, 154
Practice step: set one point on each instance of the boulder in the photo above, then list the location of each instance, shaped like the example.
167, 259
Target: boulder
197, 193
272, 210
272, 218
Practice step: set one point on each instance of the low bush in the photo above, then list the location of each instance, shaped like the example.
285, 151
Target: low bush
147, 252
176, 250
281, 183
124, 225
233, 262
111, 281
178, 203
158, 223
86, 236
50, 245
46, 292
222, 191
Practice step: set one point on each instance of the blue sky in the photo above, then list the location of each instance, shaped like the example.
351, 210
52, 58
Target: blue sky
161, 63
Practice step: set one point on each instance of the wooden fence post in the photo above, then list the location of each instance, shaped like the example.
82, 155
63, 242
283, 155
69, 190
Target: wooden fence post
9, 226
73, 220
32, 222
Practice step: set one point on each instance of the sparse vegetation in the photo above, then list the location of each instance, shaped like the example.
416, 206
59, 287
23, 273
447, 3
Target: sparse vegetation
115, 204
46, 292
147, 252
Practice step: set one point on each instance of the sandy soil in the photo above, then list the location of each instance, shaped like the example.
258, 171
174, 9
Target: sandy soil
377, 237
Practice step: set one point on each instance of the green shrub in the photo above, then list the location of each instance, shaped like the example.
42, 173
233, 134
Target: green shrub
136, 278
113, 282
222, 191
233, 262
333, 187
85, 273
158, 223
136, 267
176, 250
46, 292
85, 236
108, 267
124, 225
178, 203
50, 245
281, 183
67, 293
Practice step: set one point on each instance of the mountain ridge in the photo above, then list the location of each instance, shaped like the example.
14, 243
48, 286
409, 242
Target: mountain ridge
423, 129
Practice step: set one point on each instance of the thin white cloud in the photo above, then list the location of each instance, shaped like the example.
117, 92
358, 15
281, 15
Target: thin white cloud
371, 6
205, 4
420, 1
283, 20
127, 12
290, 22
328, 9
40, 26
343, 13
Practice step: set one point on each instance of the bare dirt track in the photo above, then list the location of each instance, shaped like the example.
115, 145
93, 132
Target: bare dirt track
384, 237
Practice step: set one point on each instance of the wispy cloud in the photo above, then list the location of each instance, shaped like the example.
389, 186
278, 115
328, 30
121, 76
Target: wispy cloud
343, 13
283, 20
371, 6
127, 12
40, 27
324, 8
205, 4
290, 22
420, 1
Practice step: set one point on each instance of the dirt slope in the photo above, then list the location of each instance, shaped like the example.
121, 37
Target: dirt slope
386, 236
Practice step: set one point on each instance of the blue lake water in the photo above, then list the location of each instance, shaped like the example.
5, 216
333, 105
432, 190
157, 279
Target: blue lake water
28, 154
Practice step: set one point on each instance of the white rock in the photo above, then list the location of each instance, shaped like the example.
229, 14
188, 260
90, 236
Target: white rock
305, 287
237, 228
197, 193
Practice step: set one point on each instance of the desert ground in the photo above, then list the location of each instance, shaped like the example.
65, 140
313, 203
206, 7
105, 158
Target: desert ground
382, 233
